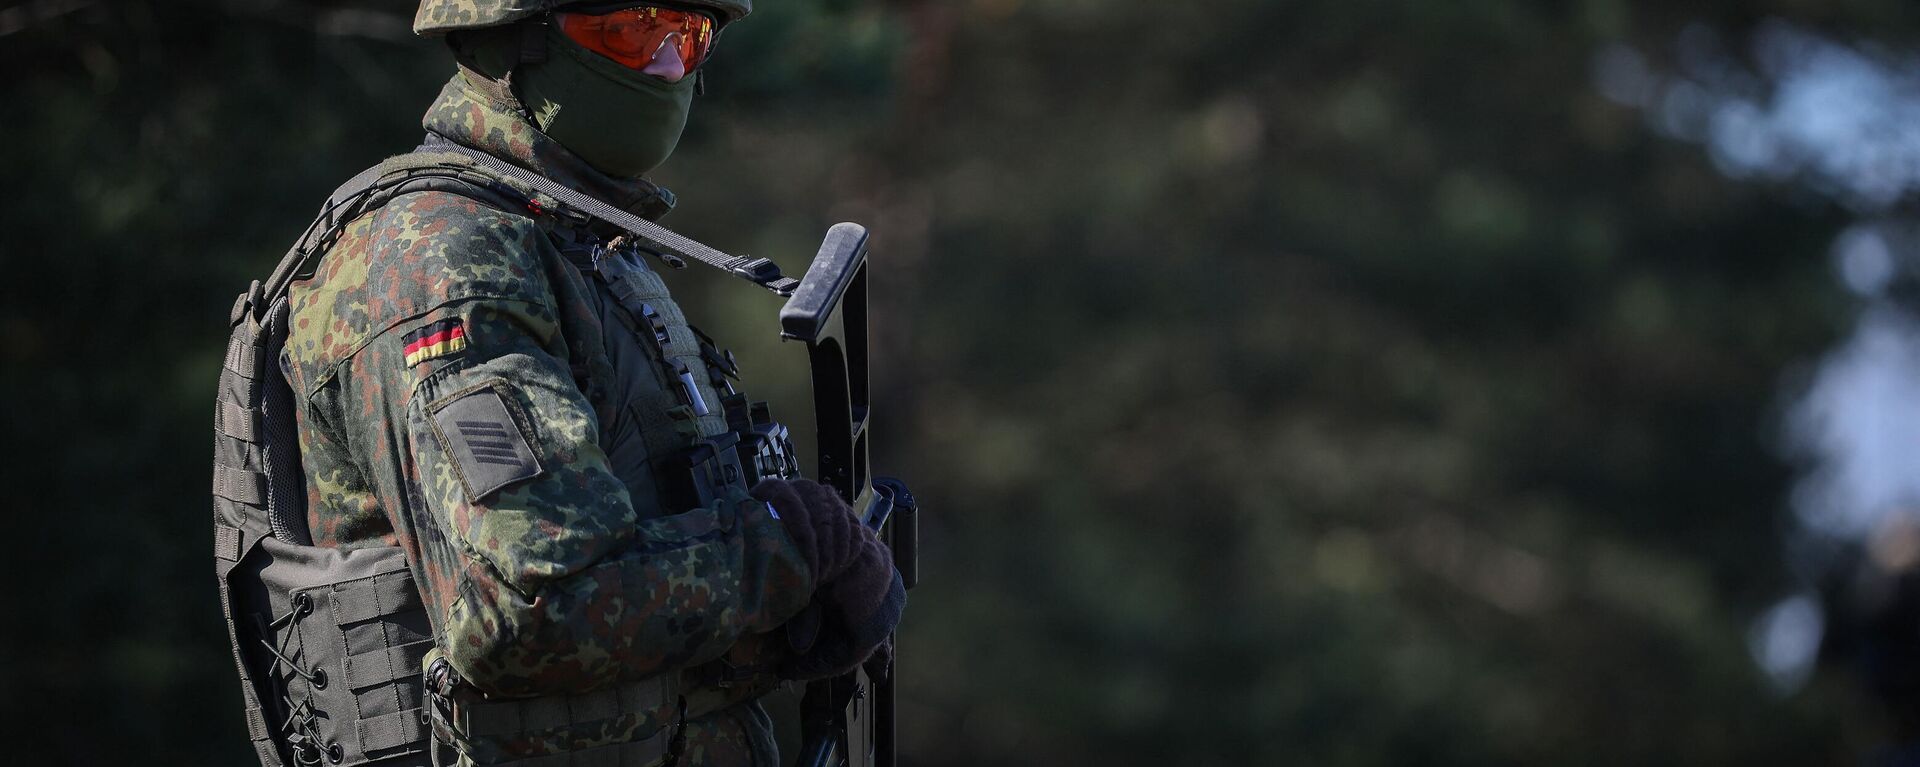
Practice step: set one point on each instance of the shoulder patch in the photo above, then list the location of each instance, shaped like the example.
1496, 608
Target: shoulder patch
435, 340
485, 442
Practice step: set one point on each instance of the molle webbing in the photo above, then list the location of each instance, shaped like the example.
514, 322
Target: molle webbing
567, 730
251, 461
631, 724
345, 690
353, 648
643, 296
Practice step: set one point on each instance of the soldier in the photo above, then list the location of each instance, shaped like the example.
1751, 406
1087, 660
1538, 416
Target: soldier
513, 399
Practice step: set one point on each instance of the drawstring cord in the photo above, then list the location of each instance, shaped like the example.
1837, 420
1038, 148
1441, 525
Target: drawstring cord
304, 734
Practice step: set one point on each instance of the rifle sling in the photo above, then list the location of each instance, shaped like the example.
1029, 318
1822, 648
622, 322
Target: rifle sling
671, 246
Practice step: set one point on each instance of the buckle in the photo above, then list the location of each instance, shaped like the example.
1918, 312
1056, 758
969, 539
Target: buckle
245, 305
759, 270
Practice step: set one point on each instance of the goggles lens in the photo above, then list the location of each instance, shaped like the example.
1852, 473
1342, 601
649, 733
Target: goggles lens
634, 36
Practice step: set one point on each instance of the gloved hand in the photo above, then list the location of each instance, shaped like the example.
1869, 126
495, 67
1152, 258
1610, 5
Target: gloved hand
879, 665
858, 596
820, 524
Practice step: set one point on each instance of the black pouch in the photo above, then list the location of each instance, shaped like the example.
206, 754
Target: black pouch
334, 640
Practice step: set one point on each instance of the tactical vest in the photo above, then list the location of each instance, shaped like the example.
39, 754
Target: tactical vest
334, 648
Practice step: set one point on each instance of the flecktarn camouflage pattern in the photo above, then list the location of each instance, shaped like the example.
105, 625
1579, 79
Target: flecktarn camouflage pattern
517, 466
437, 17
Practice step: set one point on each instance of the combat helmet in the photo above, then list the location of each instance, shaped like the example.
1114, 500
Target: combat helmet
438, 17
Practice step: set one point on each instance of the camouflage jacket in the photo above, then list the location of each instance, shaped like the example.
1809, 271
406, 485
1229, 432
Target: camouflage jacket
457, 400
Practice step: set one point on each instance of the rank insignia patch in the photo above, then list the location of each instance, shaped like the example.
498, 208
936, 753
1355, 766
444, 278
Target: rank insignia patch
435, 340
485, 441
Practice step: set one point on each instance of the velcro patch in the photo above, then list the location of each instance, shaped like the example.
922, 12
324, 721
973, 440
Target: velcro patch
437, 339
485, 441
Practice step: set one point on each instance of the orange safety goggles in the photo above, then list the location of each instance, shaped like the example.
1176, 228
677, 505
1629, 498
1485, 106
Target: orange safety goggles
633, 36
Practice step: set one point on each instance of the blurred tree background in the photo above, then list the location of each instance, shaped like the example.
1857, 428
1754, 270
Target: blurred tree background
1333, 383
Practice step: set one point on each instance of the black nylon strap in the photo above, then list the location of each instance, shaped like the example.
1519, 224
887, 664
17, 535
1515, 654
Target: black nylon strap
390, 594
400, 728
243, 358
509, 718
240, 485
386, 664
257, 724
344, 197
654, 237
226, 542
236, 421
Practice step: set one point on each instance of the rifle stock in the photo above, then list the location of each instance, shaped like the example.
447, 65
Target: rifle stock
848, 720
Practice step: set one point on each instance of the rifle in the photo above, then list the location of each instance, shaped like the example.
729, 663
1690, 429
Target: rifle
841, 722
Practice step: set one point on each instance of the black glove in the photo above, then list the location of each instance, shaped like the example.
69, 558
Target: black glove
827, 640
820, 524
879, 665
858, 596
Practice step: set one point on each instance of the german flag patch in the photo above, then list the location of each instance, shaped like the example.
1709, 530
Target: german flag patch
436, 340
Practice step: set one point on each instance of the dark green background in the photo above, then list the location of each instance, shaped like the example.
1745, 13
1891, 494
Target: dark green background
1307, 382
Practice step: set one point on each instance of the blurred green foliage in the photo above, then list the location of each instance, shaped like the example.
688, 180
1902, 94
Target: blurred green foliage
1335, 383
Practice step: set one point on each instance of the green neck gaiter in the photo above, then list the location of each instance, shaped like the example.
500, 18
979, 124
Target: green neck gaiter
620, 121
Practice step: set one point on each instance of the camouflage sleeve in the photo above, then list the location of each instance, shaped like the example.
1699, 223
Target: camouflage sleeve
528, 545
